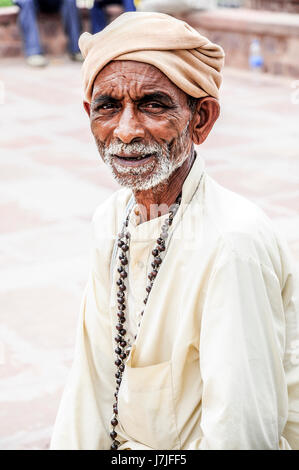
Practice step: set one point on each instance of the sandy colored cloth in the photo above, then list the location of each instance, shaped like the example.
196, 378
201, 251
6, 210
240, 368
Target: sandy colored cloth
216, 361
186, 57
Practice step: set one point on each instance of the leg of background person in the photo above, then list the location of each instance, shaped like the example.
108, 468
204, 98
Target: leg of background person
98, 18
71, 20
29, 28
129, 5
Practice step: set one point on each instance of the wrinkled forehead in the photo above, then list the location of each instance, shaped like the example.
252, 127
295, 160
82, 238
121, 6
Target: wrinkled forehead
118, 75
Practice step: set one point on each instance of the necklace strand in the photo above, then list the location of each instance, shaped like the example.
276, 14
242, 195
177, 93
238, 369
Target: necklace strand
122, 345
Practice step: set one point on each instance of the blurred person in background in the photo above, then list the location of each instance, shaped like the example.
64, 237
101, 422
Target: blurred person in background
29, 27
99, 14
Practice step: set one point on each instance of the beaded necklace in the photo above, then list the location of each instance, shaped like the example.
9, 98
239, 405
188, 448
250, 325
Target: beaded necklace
122, 349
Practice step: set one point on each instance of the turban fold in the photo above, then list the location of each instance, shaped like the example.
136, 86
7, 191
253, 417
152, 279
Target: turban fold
187, 58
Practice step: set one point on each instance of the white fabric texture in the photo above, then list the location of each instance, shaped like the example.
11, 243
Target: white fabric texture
215, 364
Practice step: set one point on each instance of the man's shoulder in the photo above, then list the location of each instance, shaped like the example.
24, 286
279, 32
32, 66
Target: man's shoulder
234, 213
242, 226
106, 223
110, 210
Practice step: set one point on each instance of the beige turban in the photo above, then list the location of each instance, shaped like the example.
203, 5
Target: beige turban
188, 59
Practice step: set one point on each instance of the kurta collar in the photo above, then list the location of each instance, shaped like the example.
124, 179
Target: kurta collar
151, 228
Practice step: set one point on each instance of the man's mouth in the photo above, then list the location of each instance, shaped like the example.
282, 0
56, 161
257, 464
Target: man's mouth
134, 160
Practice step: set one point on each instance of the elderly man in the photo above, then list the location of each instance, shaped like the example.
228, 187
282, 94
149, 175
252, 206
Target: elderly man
188, 331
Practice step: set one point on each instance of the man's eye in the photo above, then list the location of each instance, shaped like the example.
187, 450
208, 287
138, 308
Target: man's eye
153, 106
106, 107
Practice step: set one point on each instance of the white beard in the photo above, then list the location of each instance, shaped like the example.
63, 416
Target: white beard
148, 175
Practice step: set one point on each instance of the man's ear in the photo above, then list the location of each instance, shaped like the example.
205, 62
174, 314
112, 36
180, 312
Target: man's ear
206, 114
87, 107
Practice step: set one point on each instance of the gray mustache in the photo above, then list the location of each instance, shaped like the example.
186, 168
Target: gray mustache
143, 149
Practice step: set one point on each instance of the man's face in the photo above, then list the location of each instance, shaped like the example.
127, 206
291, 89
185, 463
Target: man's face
140, 121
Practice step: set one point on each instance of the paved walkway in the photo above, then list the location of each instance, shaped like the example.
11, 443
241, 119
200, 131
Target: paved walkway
51, 182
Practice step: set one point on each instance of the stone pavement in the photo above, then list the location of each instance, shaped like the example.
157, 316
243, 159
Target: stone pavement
52, 181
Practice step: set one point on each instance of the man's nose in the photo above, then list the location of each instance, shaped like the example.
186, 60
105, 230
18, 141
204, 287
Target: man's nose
128, 127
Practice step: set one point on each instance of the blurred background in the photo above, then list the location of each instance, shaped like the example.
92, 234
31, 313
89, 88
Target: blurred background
52, 178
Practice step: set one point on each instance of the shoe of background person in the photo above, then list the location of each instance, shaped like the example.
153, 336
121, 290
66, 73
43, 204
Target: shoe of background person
37, 60
77, 57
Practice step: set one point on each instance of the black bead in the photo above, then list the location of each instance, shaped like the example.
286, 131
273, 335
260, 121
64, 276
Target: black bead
125, 247
161, 247
120, 269
123, 344
123, 332
121, 307
117, 362
123, 274
114, 422
120, 243
113, 434
118, 350
121, 301
122, 367
122, 288
123, 355
157, 261
124, 261
153, 274
148, 289
114, 445
119, 327
155, 252
118, 338
119, 282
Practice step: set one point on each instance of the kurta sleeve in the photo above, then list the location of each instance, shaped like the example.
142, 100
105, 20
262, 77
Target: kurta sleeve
85, 410
242, 344
84, 413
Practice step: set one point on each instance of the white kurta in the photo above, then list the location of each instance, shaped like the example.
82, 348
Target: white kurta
216, 361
